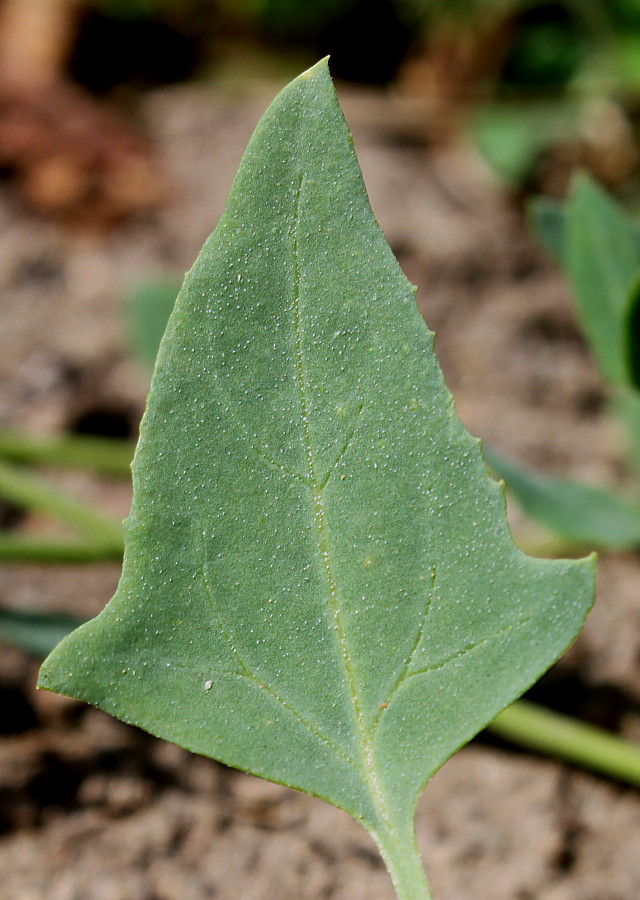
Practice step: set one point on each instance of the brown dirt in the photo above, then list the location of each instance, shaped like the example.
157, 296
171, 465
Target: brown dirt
93, 810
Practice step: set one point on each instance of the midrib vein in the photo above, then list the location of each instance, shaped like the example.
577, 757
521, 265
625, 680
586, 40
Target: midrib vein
320, 516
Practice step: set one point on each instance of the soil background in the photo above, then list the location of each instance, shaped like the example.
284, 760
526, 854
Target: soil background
91, 809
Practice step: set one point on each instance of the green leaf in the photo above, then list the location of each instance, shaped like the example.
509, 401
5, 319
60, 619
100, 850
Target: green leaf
147, 310
604, 268
35, 633
319, 584
602, 259
548, 220
584, 514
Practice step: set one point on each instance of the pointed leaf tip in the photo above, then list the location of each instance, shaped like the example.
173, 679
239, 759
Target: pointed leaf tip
319, 69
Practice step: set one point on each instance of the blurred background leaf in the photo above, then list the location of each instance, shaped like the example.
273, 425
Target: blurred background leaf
147, 310
590, 516
34, 632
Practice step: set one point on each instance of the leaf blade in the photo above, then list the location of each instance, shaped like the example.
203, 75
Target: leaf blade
602, 259
301, 477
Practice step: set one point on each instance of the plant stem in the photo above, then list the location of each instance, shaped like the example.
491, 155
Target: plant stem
105, 455
402, 859
536, 728
30, 492
38, 550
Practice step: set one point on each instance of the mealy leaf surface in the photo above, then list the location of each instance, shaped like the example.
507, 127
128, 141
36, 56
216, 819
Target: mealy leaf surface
319, 584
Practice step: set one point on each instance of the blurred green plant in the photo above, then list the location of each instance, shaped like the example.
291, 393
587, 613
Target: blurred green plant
146, 310
598, 247
36, 633
585, 516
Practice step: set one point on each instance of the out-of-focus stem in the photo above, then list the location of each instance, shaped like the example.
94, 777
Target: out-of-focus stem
104, 455
26, 490
544, 731
38, 550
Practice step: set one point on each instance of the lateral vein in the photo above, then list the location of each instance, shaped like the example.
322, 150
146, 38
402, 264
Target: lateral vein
247, 672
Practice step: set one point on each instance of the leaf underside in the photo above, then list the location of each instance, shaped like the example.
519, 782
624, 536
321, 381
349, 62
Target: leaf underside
319, 584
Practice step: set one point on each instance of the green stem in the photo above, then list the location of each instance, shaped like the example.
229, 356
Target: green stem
402, 859
529, 725
108, 456
31, 493
37, 550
